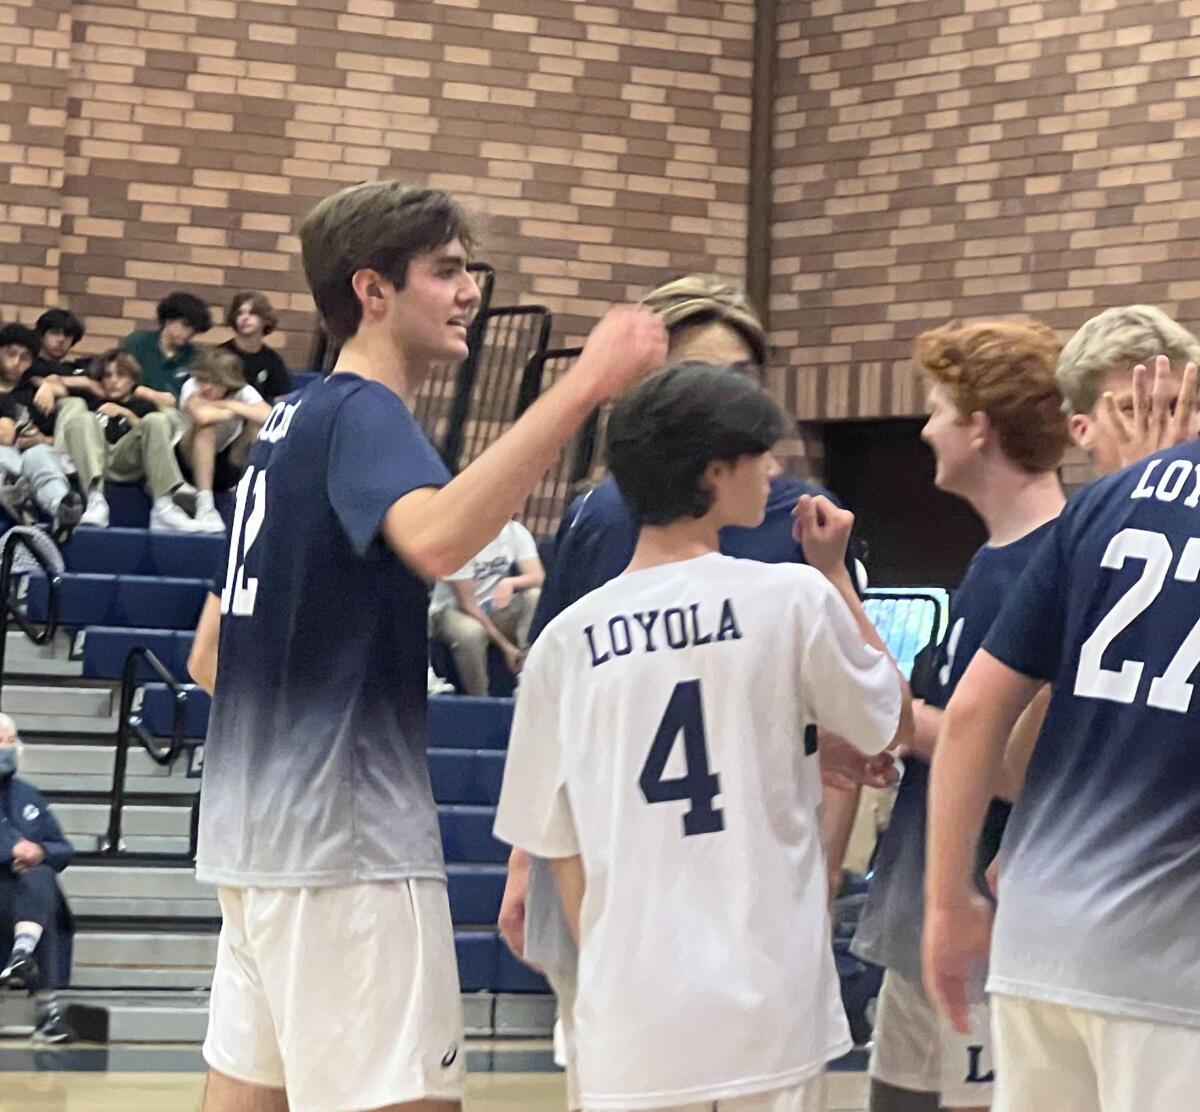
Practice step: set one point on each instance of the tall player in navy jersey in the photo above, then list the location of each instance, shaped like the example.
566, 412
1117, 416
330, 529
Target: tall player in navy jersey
998, 432
1094, 970
336, 985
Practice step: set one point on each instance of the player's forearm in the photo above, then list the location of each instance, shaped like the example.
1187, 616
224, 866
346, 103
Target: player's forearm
845, 587
962, 784
474, 610
839, 810
202, 660
526, 581
255, 412
927, 721
569, 878
162, 398
1021, 742
438, 534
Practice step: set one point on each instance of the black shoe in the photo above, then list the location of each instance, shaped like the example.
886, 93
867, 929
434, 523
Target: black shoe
21, 972
53, 1029
67, 516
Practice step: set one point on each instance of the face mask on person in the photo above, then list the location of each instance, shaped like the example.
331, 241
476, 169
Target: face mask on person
8, 761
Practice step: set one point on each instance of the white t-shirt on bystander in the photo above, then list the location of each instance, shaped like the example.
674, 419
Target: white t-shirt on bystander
489, 566
227, 431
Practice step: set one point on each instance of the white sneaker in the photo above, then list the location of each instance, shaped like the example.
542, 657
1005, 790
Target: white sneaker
96, 513
170, 519
437, 685
208, 521
184, 497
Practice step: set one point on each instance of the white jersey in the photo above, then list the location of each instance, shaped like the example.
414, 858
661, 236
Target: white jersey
660, 733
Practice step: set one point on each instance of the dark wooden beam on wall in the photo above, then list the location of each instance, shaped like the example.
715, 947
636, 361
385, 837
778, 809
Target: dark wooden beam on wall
761, 162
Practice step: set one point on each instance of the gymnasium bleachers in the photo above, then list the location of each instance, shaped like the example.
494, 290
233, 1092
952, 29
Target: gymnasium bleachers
146, 929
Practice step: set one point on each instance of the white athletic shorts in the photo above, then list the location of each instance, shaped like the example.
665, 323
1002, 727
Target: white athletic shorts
809, 1096
346, 997
915, 1048
1054, 1057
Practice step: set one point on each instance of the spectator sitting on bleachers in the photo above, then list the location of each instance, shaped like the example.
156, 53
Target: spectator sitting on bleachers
252, 317
27, 435
122, 438
59, 330
33, 851
165, 354
484, 603
222, 417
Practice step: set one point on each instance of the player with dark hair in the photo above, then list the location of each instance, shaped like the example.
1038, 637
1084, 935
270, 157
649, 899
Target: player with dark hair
165, 353
659, 760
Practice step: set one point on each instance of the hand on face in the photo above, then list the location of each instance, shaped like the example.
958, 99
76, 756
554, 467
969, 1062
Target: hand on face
1159, 419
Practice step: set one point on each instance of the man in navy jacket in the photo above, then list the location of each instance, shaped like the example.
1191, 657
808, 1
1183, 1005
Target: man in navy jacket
33, 851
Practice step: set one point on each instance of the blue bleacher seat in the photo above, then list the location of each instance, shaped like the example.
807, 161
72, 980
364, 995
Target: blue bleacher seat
475, 893
116, 551
150, 602
128, 505
467, 722
467, 834
106, 647
466, 775
158, 710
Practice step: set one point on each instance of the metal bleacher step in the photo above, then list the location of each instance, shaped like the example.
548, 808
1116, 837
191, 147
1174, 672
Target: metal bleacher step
68, 765
61, 707
23, 658
144, 828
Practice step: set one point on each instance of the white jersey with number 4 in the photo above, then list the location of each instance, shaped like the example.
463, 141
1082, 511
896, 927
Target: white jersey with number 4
660, 733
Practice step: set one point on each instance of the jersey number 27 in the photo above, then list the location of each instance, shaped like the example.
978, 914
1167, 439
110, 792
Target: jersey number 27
684, 714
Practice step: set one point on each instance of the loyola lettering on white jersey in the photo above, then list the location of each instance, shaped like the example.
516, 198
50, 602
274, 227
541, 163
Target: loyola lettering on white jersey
659, 733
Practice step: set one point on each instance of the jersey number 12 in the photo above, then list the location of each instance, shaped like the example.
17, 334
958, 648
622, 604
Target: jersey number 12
240, 590
684, 714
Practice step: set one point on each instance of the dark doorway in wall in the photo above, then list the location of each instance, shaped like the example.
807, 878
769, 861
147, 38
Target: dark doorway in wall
916, 535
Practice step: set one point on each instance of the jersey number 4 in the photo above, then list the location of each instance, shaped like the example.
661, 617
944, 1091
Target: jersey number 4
1172, 690
684, 714
240, 590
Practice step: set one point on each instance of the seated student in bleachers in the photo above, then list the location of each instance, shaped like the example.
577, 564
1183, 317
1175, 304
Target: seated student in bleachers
165, 353
33, 851
122, 438
484, 603
53, 374
222, 417
27, 434
252, 318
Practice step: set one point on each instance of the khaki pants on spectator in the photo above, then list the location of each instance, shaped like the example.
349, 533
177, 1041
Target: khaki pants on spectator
468, 641
144, 454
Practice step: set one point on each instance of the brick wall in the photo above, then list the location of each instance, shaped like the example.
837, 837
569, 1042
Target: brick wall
604, 143
963, 158
35, 45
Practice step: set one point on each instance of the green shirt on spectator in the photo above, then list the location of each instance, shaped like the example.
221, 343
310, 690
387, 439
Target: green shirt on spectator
159, 371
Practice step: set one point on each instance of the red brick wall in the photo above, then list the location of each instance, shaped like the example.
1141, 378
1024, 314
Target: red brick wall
604, 143
940, 159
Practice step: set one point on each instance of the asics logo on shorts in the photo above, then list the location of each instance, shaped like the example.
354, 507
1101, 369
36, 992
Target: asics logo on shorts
449, 1057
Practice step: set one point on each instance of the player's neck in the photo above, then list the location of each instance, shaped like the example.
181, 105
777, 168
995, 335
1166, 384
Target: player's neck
669, 544
1013, 503
376, 356
251, 345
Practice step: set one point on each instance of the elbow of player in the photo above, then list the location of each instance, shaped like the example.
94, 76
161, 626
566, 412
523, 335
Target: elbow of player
430, 558
202, 667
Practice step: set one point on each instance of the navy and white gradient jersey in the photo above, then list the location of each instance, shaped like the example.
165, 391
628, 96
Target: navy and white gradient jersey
1099, 903
889, 932
314, 769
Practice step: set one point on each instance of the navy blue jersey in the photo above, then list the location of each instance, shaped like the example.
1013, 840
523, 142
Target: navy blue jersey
598, 534
889, 932
1100, 881
314, 770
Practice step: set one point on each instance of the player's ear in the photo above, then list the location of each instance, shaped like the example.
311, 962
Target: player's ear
1080, 428
981, 428
370, 288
